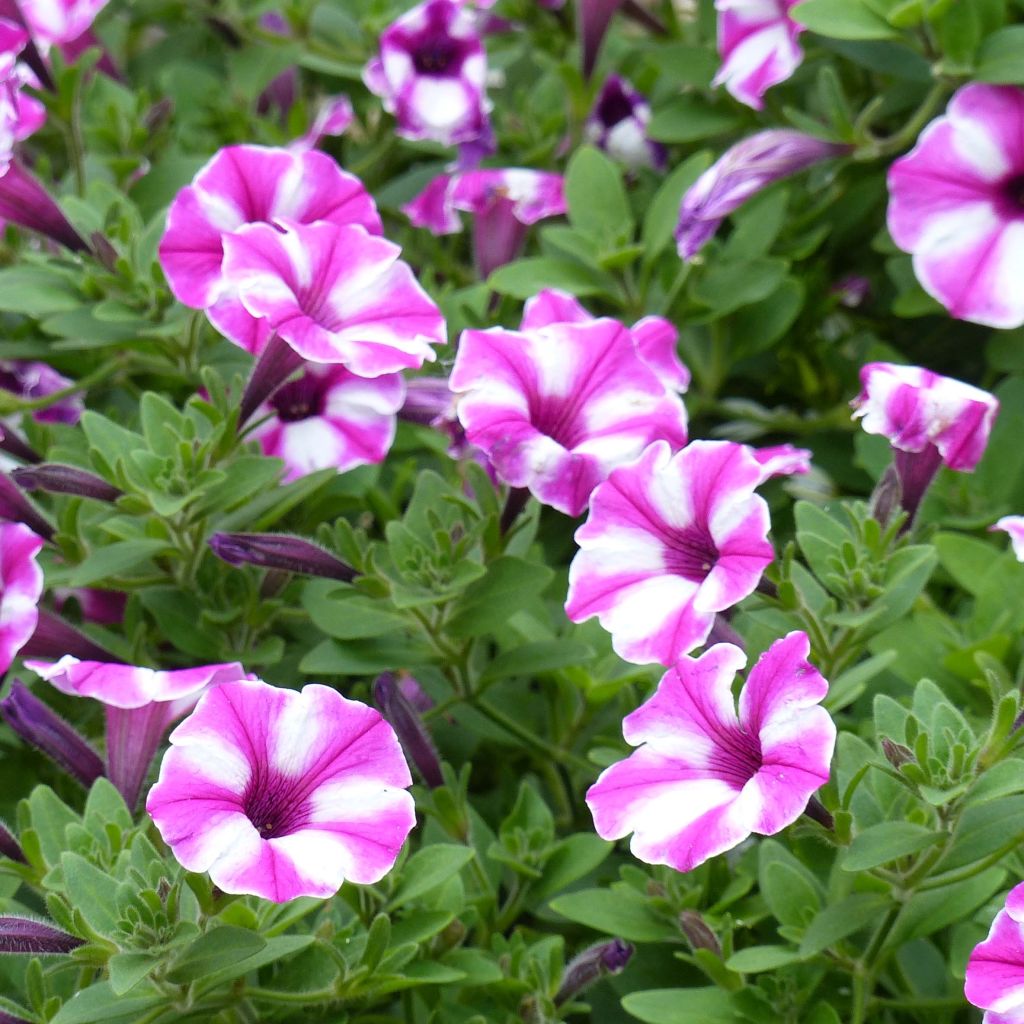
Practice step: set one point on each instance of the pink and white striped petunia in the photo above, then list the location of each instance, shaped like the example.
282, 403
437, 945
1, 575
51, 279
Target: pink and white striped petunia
956, 201
706, 776
334, 294
995, 968
328, 418
140, 703
282, 793
1014, 526
555, 408
59, 21
655, 337
618, 125
250, 185
782, 460
432, 73
333, 117
670, 541
21, 586
757, 41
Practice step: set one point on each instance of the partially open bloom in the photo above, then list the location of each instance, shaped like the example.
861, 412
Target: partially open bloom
283, 793
1014, 526
504, 203
334, 294
250, 185
618, 125
556, 408
956, 201
757, 41
995, 969
431, 73
21, 585
670, 541
31, 380
141, 704
705, 775
743, 170
930, 421
329, 418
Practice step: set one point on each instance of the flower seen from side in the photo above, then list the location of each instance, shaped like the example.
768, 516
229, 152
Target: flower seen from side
431, 73
21, 586
956, 202
618, 125
707, 774
555, 408
282, 793
670, 541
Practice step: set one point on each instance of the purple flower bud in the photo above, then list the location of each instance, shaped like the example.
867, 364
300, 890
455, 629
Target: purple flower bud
24, 201
745, 169
852, 291
279, 551
9, 845
699, 935
586, 968
104, 251
23, 935
15, 507
887, 496
42, 728
50, 476
54, 638
13, 445
592, 19
401, 715
896, 753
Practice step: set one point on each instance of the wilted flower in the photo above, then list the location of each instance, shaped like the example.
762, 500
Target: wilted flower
1014, 526
21, 585
31, 380
757, 41
995, 969
279, 551
280, 793
956, 202
930, 420
556, 408
431, 73
250, 185
328, 418
618, 125
670, 541
140, 703
748, 167
705, 777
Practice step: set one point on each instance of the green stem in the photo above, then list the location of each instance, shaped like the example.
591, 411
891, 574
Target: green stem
267, 995
897, 142
676, 287
952, 877
936, 1003
523, 734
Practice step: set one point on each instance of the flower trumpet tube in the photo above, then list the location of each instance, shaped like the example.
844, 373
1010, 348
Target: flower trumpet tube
393, 704
278, 551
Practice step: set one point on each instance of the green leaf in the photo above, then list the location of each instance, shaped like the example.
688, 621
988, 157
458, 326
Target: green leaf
570, 859
221, 947
842, 19
101, 1003
618, 911
364, 657
533, 659
508, 586
837, 920
791, 895
92, 892
967, 559
725, 287
36, 291
277, 948
755, 959
342, 612
1001, 57
681, 1006
663, 210
524, 278
116, 559
428, 869
175, 613
687, 119
50, 817
128, 969
983, 828
596, 197
886, 842
105, 805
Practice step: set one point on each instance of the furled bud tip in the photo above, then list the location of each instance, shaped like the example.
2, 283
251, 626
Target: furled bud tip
886, 497
9, 845
279, 551
582, 971
896, 753
24, 201
15, 508
698, 934
24, 935
13, 445
53, 638
395, 706
745, 169
50, 476
45, 730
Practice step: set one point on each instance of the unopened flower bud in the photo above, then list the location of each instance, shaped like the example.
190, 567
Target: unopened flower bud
9, 845
104, 250
280, 551
886, 497
699, 935
45, 730
25, 201
24, 935
583, 970
49, 476
53, 638
896, 753
412, 734
13, 445
16, 508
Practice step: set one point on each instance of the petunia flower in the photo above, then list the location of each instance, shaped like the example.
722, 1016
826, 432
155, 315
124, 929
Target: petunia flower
244, 185
333, 117
706, 774
283, 793
555, 408
30, 380
670, 541
21, 586
334, 294
956, 201
504, 203
995, 968
930, 421
140, 703
60, 21
757, 41
328, 418
782, 460
431, 73
742, 171
1014, 526
618, 125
